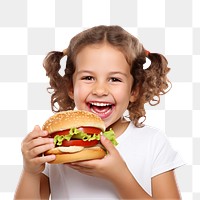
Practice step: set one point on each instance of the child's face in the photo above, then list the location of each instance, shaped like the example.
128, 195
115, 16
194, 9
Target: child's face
102, 82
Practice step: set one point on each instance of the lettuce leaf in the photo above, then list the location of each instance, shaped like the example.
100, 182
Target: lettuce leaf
78, 134
111, 136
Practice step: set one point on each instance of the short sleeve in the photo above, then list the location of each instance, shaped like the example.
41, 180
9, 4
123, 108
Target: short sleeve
165, 158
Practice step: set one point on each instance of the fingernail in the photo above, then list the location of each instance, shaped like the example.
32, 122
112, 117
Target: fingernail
52, 145
45, 132
51, 140
36, 127
53, 156
103, 137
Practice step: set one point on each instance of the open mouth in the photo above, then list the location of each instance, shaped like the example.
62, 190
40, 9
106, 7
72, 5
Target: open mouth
101, 109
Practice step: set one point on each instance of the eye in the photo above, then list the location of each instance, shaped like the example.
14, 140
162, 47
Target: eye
114, 79
88, 78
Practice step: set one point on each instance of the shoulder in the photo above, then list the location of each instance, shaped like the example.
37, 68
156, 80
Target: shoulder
146, 138
142, 139
148, 132
154, 136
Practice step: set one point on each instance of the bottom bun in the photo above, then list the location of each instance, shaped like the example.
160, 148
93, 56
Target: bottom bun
86, 154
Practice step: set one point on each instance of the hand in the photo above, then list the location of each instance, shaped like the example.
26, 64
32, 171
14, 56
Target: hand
33, 146
110, 167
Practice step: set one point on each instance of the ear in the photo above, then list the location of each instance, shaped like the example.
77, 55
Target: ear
134, 95
71, 93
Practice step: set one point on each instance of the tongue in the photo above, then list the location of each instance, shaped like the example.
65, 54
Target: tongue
100, 109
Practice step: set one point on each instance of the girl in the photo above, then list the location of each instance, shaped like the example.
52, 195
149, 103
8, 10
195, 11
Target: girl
104, 74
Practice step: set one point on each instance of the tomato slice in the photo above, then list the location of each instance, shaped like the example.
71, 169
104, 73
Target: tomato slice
79, 143
88, 130
65, 132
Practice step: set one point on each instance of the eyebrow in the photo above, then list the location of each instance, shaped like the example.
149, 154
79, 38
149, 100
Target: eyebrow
111, 73
117, 72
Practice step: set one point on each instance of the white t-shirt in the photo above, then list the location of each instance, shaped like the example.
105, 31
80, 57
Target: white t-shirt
146, 152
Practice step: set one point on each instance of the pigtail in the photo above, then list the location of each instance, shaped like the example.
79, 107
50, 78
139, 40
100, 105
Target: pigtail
57, 83
136, 108
151, 82
156, 82
52, 66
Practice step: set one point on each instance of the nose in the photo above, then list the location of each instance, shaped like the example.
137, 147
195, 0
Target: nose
100, 89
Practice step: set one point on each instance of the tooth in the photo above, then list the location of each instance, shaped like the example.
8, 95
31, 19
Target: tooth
100, 104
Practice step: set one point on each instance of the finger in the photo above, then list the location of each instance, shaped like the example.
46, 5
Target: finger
82, 164
43, 159
39, 142
37, 132
40, 150
73, 166
81, 169
107, 144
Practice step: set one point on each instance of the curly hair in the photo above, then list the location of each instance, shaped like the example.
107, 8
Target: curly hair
151, 82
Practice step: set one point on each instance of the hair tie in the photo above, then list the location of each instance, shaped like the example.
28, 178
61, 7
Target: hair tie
148, 62
65, 51
147, 52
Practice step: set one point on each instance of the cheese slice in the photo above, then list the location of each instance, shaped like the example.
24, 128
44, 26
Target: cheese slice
70, 149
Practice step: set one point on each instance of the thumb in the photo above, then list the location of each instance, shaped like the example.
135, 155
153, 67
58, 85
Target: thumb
107, 144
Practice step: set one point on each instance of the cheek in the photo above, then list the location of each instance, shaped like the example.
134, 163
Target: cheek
77, 92
120, 95
123, 96
80, 92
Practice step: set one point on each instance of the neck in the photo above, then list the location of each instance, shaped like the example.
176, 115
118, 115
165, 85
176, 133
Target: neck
119, 126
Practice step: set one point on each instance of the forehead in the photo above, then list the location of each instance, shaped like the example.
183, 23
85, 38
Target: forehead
101, 59
100, 52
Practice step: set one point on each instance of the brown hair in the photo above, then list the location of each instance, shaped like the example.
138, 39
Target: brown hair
152, 82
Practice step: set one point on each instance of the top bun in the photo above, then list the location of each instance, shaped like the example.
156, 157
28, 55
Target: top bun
73, 119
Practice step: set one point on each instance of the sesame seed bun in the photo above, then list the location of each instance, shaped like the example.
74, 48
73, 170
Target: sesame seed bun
72, 119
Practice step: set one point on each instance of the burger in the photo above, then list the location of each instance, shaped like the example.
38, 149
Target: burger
76, 136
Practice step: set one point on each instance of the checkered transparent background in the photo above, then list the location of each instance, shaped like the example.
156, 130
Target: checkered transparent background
29, 29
